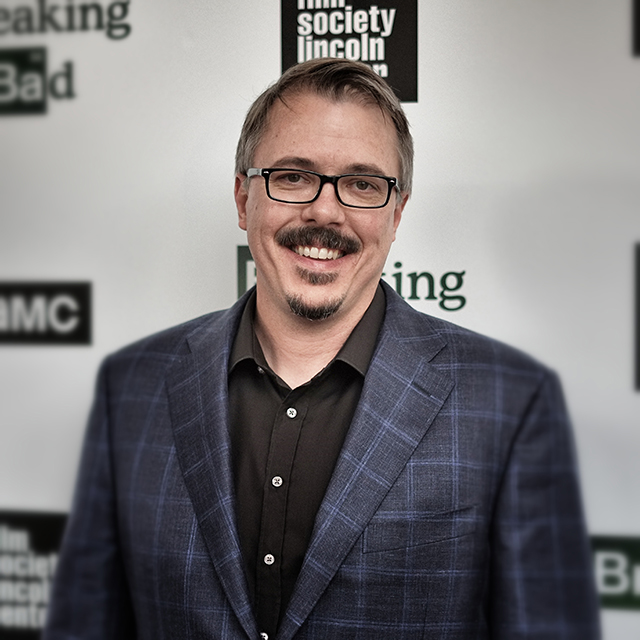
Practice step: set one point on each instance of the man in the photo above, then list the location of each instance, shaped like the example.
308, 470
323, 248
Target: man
322, 461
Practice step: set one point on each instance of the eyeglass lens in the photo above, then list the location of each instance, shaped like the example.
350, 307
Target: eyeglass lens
353, 190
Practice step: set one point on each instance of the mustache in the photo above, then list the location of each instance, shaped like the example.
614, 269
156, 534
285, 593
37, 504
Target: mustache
318, 237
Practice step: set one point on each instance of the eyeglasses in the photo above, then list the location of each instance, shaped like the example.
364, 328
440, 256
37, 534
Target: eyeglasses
297, 186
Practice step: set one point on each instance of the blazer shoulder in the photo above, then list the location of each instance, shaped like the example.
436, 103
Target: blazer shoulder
470, 345
171, 341
460, 346
154, 354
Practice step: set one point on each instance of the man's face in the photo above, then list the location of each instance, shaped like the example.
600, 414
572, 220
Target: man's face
311, 132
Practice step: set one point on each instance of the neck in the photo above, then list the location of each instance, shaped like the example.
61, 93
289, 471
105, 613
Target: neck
296, 348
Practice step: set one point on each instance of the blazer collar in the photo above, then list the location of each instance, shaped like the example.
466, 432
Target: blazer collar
198, 402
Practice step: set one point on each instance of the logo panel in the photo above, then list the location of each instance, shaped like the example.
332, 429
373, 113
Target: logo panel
636, 28
637, 280
386, 38
617, 569
29, 544
23, 81
45, 313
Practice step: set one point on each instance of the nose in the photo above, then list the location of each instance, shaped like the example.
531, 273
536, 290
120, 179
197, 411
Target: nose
325, 209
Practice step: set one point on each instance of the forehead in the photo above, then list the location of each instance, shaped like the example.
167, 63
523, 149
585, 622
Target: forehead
328, 134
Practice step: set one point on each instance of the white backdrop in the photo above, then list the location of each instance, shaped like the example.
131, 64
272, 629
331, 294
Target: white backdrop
527, 131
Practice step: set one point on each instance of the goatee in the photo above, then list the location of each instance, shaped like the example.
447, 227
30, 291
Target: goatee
309, 312
313, 277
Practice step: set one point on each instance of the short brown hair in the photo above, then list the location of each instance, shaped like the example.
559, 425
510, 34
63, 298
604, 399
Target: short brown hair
336, 79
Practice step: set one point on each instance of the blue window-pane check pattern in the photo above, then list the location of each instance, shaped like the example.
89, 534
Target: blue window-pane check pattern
453, 512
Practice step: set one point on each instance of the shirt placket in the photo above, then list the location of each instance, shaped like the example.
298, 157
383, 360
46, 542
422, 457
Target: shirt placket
282, 450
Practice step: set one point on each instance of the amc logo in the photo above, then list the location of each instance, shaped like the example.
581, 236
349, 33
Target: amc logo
617, 570
45, 313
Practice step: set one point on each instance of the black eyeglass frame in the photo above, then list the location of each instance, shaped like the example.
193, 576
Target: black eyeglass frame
324, 179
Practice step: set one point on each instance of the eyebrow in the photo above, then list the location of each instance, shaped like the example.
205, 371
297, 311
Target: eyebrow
296, 162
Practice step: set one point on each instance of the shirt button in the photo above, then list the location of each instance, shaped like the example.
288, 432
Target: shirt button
276, 481
291, 412
260, 370
269, 559
264, 636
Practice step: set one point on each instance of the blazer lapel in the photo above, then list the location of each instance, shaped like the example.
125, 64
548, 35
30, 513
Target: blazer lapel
197, 388
402, 395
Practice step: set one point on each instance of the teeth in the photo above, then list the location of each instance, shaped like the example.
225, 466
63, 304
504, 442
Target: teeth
319, 254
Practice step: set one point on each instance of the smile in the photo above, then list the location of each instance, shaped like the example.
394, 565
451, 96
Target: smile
318, 253
318, 243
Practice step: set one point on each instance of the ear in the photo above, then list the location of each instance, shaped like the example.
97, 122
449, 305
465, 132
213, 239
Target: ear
397, 212
240, 195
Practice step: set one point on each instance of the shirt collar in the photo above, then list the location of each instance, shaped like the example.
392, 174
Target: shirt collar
357, 351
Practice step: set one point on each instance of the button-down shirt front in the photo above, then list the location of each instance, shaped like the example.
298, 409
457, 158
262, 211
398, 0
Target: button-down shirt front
285, 444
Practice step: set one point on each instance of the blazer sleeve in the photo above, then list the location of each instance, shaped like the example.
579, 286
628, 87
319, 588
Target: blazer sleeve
541, 568
90, 599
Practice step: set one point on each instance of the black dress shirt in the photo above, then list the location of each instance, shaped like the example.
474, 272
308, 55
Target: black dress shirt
285, 444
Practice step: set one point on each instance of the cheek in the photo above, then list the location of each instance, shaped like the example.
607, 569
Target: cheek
255, 221
381, 233
262, 224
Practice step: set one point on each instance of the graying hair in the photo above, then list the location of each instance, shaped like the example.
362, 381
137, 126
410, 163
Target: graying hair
336, 79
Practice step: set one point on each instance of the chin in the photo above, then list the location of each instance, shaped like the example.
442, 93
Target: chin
313, 311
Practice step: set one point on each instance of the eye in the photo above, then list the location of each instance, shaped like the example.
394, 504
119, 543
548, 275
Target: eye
364, 184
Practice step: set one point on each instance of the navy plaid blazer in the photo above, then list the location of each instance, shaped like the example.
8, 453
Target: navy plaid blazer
453, 511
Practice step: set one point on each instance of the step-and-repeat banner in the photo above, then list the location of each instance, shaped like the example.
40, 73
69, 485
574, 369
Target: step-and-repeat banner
118, 125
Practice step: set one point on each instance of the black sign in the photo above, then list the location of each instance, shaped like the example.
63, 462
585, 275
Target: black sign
617, 570
45, 313
384, 37
637, 279
636, 27
29, 544
23, 81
